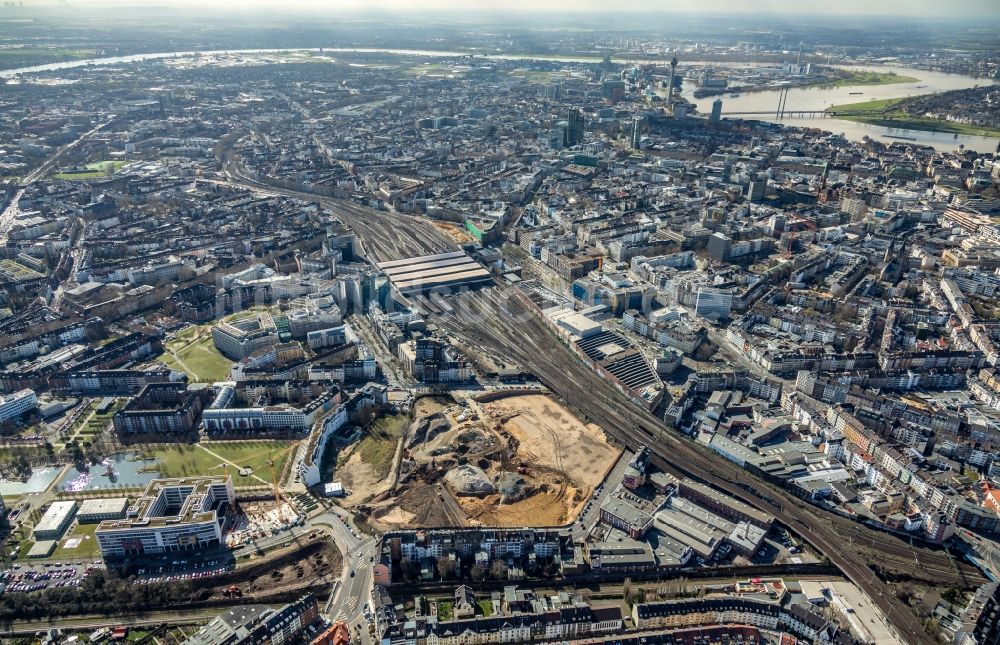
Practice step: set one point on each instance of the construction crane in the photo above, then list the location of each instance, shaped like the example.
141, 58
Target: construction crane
279, 495
277, 491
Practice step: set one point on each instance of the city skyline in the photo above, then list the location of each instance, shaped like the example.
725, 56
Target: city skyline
972, 10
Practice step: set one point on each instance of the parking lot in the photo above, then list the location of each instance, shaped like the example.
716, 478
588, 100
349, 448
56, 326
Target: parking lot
35, 577
178, 570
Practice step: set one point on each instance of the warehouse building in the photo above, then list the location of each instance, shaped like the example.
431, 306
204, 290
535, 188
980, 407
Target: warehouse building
724, 505
54, 521
97, 510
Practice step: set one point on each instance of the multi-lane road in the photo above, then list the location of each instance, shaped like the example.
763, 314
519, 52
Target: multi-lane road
349, 595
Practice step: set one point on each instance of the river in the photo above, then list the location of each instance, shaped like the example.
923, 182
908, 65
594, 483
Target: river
815, 98
820, 98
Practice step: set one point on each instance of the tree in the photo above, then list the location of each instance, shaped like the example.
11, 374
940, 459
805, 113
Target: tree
498, 570
477, 572
446, 567
409, 569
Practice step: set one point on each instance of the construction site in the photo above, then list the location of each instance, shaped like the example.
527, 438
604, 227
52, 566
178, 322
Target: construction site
520, 460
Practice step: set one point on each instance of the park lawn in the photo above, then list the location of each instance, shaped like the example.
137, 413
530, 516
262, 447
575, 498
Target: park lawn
901, 120
378, 447
254, 454
88, 546
199, 358
881, 104
70, 176
97, 170
186, 460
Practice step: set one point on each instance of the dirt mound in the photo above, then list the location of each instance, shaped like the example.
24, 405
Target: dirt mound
470, 480
512, 487
474, 441
426, 429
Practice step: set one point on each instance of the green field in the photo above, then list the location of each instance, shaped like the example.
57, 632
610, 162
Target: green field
11, 57
894, 118
872, 78
198, 459
97, 170
378, 446
88, 544
193, 352
882, 104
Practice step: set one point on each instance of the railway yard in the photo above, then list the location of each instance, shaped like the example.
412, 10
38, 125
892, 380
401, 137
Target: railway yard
500, 321
520, 333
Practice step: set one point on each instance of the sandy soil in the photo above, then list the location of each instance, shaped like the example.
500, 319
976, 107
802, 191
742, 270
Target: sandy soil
459, 235
550, 436
559, 458
429, 405
541, 509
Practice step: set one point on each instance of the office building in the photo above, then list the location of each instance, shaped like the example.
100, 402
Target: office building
238, 339
172, 515
14, 406
716, 111
93, 511
574, 127
637, 133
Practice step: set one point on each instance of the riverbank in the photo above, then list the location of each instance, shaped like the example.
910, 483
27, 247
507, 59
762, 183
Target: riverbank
896, 118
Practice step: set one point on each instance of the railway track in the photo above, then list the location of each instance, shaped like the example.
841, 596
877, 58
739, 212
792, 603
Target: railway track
515, 330
384, 235
500, 320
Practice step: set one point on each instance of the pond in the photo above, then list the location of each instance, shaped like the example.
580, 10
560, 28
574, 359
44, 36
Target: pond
117, 471
40, 479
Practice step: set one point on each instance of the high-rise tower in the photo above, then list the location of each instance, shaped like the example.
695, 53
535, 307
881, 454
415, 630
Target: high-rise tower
673, 72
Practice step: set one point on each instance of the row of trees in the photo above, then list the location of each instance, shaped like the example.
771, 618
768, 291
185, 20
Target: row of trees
98, 594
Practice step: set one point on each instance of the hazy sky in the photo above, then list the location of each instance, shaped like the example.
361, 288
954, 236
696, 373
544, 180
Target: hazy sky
969, 9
